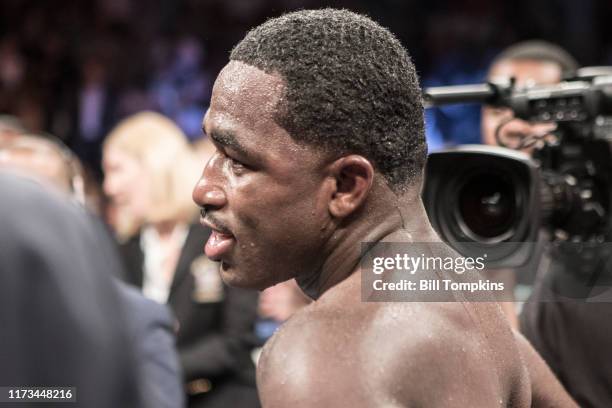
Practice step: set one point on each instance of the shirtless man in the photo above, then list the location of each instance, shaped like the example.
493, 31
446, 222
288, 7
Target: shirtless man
318, 125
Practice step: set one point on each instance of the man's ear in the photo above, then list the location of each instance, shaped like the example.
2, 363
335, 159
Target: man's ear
354, 176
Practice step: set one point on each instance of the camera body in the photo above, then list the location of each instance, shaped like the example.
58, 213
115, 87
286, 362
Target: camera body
484, 198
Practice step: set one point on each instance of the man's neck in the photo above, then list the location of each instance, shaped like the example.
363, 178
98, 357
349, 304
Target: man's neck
403, 221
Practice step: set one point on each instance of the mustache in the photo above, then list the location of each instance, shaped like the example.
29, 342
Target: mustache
215, 222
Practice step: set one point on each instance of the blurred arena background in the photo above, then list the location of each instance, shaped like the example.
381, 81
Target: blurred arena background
74, 69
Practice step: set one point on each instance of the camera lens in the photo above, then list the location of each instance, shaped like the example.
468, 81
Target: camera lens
487, 207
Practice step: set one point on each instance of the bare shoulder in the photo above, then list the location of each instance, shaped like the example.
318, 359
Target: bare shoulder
302, 360
372, 354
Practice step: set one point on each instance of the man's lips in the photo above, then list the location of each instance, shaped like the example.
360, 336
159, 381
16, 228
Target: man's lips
219, 243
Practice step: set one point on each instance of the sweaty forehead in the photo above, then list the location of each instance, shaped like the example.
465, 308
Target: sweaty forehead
245, 96
243, 104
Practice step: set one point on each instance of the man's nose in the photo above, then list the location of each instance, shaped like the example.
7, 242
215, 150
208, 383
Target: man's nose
207, 193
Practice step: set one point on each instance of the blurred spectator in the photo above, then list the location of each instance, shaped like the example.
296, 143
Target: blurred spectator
277, 304
45, 159
149, 325
150, 171
61, 317
93, 113
11, 65
10, 128
281, 301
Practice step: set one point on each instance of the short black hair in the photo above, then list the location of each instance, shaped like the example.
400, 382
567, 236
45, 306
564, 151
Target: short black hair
350, 87
539, 50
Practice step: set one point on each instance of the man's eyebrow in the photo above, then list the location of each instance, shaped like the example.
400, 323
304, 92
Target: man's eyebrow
228, 139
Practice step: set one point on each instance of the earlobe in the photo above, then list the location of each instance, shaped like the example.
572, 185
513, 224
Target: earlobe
354, 176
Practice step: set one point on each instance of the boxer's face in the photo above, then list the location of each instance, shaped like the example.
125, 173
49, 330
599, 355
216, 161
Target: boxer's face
263, 192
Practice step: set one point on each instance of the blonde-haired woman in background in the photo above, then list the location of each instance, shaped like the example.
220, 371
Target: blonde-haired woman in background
150, 170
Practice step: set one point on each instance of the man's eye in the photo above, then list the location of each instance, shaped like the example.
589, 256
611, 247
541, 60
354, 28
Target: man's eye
236, 165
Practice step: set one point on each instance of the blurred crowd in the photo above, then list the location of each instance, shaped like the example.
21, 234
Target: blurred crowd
104, 101
74, 69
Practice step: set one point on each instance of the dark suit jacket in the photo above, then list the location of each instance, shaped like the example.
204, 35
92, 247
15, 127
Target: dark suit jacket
151, 329
61, 321
215, 335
